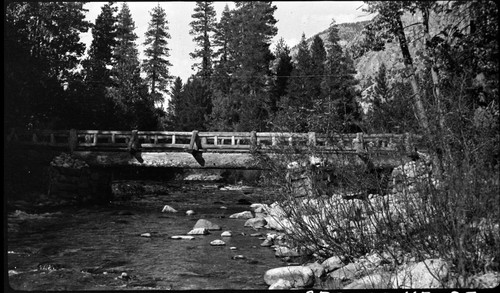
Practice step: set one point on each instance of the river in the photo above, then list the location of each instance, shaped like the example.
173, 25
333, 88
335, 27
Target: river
100, 247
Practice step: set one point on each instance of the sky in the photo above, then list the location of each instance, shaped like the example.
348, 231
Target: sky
294, 18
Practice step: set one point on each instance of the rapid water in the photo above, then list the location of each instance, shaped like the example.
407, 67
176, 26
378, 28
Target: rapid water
92, 247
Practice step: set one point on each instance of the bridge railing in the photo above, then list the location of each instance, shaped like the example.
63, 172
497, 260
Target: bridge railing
212, 141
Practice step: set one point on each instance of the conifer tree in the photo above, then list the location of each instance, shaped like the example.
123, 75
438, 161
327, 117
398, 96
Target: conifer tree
42, 49
175, 104
283, 69
98, 77
221, 115
253, 26
318, 57
129, 90
299, 86
157, 52
338, 105
202, 28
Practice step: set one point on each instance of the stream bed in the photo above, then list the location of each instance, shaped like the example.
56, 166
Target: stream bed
100, 247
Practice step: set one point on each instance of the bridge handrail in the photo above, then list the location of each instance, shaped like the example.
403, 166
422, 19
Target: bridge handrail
211, 140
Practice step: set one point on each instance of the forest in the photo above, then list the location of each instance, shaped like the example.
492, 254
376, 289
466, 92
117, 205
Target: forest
240, 84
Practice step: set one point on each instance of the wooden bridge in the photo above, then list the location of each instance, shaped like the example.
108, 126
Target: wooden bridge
211, 149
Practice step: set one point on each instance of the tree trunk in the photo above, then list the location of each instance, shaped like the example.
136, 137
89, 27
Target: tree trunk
417, 94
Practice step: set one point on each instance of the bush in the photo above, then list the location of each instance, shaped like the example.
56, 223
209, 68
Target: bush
349, 210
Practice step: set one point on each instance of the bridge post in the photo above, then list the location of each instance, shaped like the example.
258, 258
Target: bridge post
133, 145
312, 139
408, 141
193, 143
358, 143
72, 140
253, 139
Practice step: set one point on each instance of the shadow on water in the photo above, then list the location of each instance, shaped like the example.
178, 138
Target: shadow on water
101, 247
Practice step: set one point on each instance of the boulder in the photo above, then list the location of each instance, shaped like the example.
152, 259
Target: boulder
168, 209
267, 243
182, 237
226, 234
298, 276
375, 281
486, 281
199, 231
425, 274
190, 212
332, 264
256, 223
259, 208
317, 268
146, 235
242, 215
278, 224
217, 242
347, 272
283, 251
276, 210
202, 223
281, 285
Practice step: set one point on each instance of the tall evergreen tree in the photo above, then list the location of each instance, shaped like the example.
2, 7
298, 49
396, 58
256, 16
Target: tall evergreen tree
174, 105
253, 26
318, 57
98, 77
156, 63
283, 69
339, 105
296, 105
42, 47
129, 89
223, 111
299, 86
202, 28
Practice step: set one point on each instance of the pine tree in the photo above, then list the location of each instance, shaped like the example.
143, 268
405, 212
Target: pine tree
338, 105
221, 115
202, 28
318, 57
42, 49
253, 27
174, 105
98, 77
299, 84
129, 90
283, 69
156, 63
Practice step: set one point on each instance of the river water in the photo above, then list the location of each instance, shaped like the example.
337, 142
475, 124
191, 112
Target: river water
91, 247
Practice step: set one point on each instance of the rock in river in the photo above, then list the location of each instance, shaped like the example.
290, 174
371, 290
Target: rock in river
217, 242
226, 234
256, 223
182, 237
426, 274
168, 209
202, 223
332, 264
298, 276
242, 215
198, 231
281, 285
283, 251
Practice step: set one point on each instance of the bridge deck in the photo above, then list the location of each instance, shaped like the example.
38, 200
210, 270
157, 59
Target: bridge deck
207, 149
